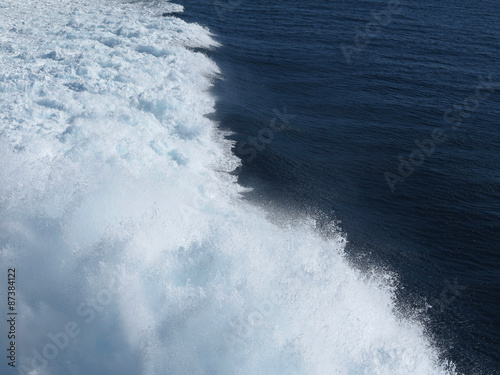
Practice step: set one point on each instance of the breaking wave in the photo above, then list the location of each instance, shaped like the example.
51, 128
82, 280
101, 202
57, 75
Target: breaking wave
133, 250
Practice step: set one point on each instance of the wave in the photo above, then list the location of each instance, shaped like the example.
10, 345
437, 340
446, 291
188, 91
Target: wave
134, 251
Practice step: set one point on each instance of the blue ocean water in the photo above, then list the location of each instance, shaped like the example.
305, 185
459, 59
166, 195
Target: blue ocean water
329, 99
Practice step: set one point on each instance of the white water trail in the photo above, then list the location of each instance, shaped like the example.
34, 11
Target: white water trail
133, 251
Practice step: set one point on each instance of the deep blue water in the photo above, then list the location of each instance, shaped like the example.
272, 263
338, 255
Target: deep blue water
321, 112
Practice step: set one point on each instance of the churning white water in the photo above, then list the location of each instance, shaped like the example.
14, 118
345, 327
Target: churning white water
134, 253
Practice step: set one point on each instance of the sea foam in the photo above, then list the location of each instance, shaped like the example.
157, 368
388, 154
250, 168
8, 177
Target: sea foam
133, 250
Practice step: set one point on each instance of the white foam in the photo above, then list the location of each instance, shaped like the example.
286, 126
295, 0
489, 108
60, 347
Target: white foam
119, 216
